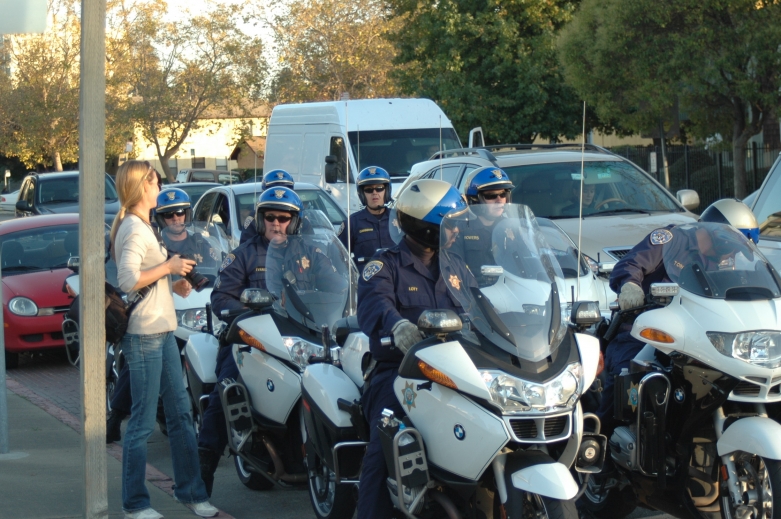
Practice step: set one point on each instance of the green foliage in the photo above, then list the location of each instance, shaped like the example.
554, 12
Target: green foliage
489, 63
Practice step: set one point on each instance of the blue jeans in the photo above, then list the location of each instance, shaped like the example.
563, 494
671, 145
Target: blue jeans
214, 433
155, 369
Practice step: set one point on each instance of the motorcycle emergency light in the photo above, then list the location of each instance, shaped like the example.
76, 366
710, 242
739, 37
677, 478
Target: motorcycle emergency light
435, 322
256, 298
761, 347
434, 375
491, 270
665, 289
251, 341
585, 313
652, 334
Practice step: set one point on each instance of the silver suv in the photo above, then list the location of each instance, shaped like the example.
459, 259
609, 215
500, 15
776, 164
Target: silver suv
621, 203
766, 205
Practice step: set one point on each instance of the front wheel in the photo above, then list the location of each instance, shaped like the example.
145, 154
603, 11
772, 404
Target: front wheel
533, 506
604, 499
760, 489
250, 479
329, 500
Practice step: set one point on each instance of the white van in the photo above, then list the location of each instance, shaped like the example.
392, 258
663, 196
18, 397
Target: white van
309, 140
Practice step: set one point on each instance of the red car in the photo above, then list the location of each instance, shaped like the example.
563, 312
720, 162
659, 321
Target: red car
34, 258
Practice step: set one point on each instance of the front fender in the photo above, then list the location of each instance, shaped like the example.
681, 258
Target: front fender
755, 434
535, 472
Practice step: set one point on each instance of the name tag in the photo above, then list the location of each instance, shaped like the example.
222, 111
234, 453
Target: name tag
260, 269
365, 230
412, 289
471, 237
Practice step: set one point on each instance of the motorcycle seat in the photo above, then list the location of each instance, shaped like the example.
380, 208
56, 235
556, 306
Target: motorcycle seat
344, 327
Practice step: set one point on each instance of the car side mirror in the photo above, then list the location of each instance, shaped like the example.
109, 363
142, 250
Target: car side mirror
331, 169
22, 205
688, 198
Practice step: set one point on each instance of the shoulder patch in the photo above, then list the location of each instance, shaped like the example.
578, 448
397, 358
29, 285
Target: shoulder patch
247, 221
371, 269
227, 261
661, 236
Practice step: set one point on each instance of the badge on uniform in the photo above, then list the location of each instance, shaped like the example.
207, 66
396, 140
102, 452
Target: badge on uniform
227, 261
247, 221
371, 269
661, 236
304, 263
213, 253
455, 282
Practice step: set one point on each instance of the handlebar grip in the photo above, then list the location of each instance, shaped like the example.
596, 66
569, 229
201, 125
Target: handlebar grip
386, 341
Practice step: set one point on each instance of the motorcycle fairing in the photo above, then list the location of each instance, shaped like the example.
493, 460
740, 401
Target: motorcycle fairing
326, 384
265, 376
263, 328
451, 359
754, 434
588, 345
355, 348
201, 354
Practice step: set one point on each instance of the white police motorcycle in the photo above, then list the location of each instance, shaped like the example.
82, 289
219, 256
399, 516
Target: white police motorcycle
272, 343
701, 402
491, 397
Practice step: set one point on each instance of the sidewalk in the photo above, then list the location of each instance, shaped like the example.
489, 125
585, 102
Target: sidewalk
48, 482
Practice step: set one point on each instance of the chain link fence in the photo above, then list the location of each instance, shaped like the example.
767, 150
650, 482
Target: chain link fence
708, 172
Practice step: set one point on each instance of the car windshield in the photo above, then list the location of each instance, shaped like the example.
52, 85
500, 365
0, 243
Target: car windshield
228, 178
562, 247
195, 192
398, 150
314, 199
66, 190
716, 261
43, 248
611, 187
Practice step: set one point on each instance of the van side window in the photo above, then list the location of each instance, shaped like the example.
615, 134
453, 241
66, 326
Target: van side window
337, 149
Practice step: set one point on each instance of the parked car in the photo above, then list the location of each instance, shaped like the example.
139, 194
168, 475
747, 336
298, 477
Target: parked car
228, 207
33, 257
50, 193
627, 202
208, 175
194, 190
767, 208
8, 201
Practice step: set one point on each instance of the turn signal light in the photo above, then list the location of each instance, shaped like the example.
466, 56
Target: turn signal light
434, 375
652, 334
251, 341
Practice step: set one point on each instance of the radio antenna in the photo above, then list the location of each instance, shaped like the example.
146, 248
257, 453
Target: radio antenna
580, 211
440, 147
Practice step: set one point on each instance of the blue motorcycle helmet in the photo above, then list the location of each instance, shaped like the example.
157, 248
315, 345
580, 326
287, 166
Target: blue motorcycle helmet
172, 200
426, 205
279, 199
732, 211
277, 178
370, 176
488, 178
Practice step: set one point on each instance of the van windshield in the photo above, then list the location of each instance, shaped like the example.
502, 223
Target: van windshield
398, 150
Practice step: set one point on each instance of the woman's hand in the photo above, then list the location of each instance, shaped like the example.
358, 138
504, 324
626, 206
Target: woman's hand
179, 266
182, 287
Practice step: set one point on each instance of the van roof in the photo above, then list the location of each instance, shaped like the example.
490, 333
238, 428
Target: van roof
365, 114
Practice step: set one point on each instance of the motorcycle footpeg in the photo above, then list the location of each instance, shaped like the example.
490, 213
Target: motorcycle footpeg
235, 405
591, 454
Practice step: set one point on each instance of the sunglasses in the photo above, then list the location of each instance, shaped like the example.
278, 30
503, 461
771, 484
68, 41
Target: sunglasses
494, 196
375, 189
170, 215
271, 218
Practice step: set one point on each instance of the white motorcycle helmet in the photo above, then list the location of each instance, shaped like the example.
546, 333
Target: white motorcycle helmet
424, 206
732, 211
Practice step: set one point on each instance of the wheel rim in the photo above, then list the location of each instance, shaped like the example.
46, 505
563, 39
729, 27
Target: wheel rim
534, 507
322, 485
243, 472
110, 384
757, 494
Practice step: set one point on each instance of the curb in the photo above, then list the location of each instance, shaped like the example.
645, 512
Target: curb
153, 476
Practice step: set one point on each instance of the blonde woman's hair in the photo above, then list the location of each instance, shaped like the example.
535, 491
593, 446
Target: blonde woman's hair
130, 186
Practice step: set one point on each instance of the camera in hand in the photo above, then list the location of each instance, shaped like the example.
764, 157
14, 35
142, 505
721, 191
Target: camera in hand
198, 281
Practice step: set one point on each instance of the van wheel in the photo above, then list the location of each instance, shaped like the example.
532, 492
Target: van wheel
11, 360
329, 500
250, 479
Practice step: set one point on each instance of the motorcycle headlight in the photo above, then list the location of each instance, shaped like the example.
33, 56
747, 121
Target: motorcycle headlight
300, 350
23, 306
761, 348
193, 318
513, 394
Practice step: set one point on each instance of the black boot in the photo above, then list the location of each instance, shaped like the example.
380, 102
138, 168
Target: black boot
114, 426
209, 460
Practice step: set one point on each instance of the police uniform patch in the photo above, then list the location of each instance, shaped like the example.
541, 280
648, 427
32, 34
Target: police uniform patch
248, 220
371, 269
661, 236
227, 261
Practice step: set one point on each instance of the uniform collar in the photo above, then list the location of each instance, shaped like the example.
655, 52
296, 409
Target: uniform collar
409, 259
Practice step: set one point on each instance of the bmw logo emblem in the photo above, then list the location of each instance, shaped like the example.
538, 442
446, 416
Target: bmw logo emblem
459, 431
679, 395
270, 385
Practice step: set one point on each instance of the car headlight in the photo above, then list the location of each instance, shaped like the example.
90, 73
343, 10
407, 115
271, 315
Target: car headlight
23, 306
300, 350
193, 318
513, 394
761, 348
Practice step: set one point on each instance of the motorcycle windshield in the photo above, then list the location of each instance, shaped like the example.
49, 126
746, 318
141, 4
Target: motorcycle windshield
311, 275
716, 261
206, 245
520, 306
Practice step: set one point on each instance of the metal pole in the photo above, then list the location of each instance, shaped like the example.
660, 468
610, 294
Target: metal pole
4, 448
664, 173
92, 179
686, 164
718, 171
755, 164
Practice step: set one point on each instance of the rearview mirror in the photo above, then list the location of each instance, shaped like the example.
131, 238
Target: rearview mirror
688, 198
22, 205
73, 263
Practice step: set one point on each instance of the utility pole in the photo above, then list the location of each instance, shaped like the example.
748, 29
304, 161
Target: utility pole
92, 275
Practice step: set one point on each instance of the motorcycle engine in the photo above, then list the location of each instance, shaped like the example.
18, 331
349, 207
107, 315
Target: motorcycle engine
623, 447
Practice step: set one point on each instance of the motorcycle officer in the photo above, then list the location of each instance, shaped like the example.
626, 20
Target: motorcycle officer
633, 275
369, 227
396, 286
488, 190
274, 178
173, 214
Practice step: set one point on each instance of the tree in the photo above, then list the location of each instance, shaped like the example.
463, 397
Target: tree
718, 59
489, 63
39, 103
177, 73
327, 47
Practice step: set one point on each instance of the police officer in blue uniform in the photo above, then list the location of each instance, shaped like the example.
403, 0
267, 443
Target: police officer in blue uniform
488, 190
274, 178
277, 215
396, 286
173, 214
369, 227
633, 275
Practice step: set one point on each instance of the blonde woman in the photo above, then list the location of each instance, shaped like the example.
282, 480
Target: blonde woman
143, 268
